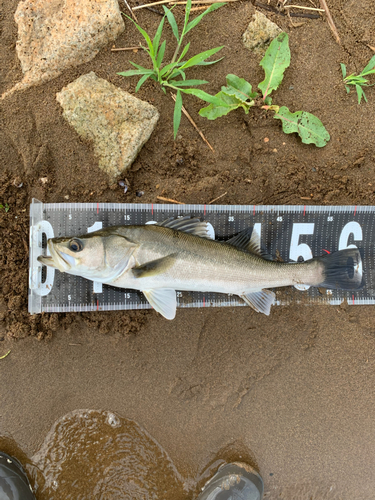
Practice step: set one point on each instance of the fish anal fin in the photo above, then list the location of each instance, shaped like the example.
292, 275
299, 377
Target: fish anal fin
163, 300
260, 301
154, 267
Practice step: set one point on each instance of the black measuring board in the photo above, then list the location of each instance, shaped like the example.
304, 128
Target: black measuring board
290, 232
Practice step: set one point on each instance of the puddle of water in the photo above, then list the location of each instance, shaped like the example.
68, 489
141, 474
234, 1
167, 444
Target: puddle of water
97, 455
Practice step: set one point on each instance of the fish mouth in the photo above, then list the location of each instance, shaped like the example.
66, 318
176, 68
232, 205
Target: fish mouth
58, 259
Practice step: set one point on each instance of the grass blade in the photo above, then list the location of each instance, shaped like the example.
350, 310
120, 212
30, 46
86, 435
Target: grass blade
308, 127
187, 15
184, 51
161, 52
343, 70
141, 82
198, 19
201, 94
274, 63
359, 93
177, 113
199, 58
134, 72
155, 43
187, 83
370, 65
172, 22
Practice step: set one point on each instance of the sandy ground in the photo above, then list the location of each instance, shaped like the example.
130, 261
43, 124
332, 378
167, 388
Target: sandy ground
291, 393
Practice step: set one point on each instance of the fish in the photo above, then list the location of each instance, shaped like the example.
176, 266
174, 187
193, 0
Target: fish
179, 254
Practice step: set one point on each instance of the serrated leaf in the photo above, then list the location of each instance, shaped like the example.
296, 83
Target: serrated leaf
308, 127
343, 69
177, 113
239, 88
274, 63
227, 104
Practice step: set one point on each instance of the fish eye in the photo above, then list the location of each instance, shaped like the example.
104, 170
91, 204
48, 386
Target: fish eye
75, 245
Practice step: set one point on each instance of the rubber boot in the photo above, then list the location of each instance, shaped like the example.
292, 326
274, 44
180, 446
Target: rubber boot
14, 484
235, 481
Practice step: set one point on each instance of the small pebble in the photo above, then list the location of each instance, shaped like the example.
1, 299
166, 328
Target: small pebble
139, 193
66, 197
122, 184
266, 139
291, 87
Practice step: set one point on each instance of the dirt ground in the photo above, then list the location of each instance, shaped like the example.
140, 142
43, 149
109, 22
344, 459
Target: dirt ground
293, 392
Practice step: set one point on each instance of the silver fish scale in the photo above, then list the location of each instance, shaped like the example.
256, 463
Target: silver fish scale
290, 232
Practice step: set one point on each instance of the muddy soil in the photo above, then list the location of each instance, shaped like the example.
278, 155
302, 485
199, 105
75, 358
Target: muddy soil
293, 388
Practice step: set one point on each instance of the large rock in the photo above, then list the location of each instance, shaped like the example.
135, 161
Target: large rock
54, 35
118, 123
260, 33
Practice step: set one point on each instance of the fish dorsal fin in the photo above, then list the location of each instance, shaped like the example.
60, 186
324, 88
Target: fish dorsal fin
260, 301
154, 267
163, 300
188, 224
249, 241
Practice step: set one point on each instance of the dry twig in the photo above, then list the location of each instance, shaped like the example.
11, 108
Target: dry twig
324, 6
118, 49
303, 8
194, 124
131, 11
194, 2
170, 200
218, 198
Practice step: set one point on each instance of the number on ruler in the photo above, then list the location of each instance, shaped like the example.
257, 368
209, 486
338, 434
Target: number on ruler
231, 218
179, 294
330, 218
69, 297
298, 249
127, 296
70, 217
126, 216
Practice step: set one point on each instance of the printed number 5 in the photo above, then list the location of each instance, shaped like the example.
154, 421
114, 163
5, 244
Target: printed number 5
298, 249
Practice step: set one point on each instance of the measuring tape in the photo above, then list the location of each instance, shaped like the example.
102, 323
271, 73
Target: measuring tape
292, 233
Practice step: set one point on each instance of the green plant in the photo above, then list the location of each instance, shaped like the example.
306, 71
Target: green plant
5, 207
359, 81
172, 75
238, 94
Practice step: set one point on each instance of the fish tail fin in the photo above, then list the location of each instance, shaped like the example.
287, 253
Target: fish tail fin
342, 270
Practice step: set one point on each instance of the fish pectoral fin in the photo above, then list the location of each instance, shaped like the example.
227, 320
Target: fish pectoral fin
154, 267
163, 300
260, 301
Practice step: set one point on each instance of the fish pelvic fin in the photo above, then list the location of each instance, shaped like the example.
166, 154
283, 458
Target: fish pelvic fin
261, 301
154, 267
163, 300
342, 269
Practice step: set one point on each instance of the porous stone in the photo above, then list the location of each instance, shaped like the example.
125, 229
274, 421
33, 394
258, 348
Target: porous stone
54, 35
118, 123
260, 33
